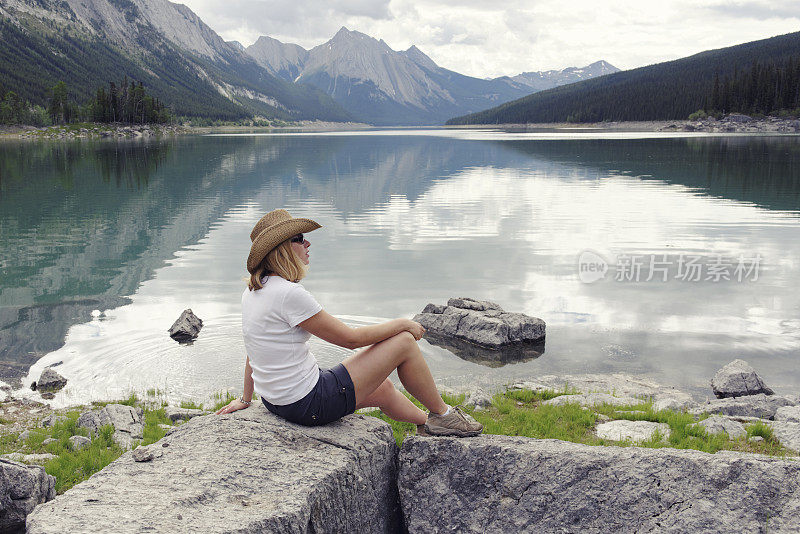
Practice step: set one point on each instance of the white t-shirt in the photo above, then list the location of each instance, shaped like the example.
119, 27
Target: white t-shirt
284, 370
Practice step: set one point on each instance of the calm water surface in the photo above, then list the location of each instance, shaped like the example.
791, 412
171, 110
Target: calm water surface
102, 245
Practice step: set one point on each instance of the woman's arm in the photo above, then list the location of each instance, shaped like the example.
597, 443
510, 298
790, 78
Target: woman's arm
326, 326
237, 404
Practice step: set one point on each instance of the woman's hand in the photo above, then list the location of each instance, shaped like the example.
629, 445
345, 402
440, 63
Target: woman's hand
234, 405
416, 329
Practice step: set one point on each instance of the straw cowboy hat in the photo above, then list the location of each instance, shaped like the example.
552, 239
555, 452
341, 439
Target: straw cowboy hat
273, 229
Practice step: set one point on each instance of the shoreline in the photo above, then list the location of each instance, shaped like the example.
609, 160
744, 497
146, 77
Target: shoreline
94, 131
732, 124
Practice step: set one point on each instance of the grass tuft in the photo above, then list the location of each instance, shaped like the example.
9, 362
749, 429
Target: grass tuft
191, 405
221, 399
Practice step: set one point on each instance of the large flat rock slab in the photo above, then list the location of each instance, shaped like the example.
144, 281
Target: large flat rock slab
248, 471
514, 484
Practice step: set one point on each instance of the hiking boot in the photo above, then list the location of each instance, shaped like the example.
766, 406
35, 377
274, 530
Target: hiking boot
421, 430
457, 423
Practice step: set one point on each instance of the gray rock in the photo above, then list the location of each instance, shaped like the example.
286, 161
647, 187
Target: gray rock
790, 414
633, 431
50, 380
79, 442
52, 419
24, 435
186, 327
126, 420
722, 425
788, 434
737, 117
22, 487
672, 403
163, 426
755, 439
481, 322
761, 406
472, 304
143, 454
588, 400
182, 413
738, 379
515, 484
36, 458
248, 471
48, 441
479, 399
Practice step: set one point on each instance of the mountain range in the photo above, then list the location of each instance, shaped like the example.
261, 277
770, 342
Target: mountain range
196, 73
379, 85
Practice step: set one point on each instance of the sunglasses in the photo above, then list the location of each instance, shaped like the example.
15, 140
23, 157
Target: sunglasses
297, 239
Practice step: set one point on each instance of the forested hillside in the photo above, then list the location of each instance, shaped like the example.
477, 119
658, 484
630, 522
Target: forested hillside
46, 43
756, 77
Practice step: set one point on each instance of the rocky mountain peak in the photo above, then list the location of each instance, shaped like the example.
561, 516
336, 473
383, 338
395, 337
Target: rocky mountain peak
420, 58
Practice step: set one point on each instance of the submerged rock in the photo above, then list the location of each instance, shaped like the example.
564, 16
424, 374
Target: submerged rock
514, 484
738, 379
22, 487
490, 357
186, 327
480, 322
249, 471
49, 381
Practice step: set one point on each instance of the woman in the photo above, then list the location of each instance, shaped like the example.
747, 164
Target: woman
278, 318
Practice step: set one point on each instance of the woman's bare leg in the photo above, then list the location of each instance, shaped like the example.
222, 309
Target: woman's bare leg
370, 367
394, 404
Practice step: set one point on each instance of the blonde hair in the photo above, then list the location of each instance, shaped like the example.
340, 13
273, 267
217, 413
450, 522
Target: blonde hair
282, 261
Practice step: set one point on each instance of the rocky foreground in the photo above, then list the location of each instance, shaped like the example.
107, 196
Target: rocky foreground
249, 471
253, 471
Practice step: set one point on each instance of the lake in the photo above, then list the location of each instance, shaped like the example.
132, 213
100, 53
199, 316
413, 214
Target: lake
663, 255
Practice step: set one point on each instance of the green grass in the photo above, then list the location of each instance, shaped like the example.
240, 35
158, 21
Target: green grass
191, 405
152, 432
522, 413
131, 400
72, 466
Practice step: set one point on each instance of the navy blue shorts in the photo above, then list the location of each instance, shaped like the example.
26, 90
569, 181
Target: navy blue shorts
333, 397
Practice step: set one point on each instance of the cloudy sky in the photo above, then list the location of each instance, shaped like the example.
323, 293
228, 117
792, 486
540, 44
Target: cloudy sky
481, 38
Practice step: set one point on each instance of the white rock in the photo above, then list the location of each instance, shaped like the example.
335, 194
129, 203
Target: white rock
633, 431
38, 459
591, 399
722, 425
